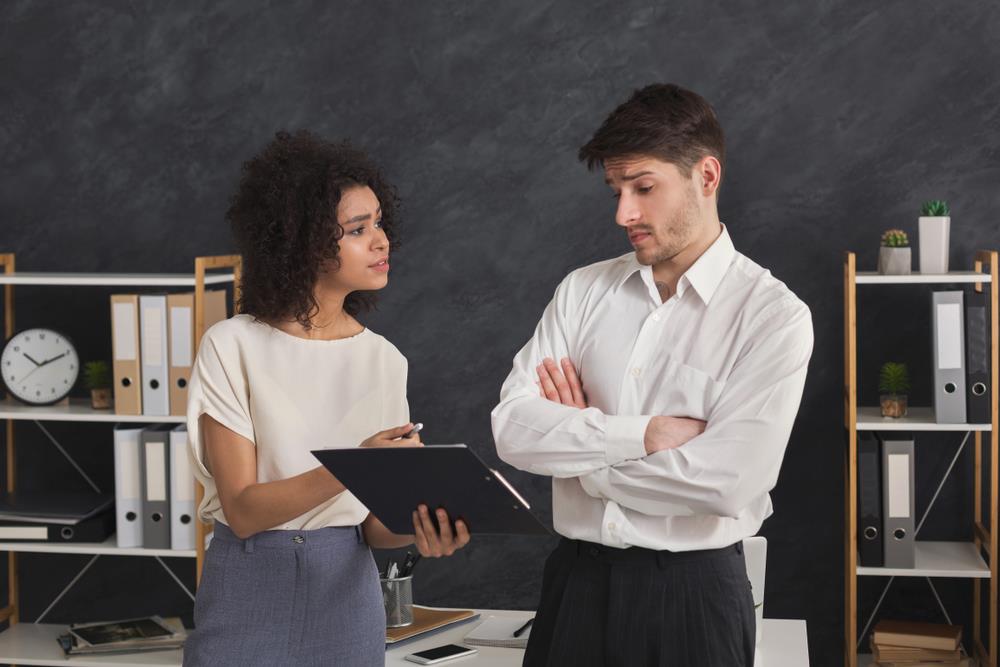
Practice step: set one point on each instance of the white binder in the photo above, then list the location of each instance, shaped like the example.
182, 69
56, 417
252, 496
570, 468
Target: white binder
128, 494
949, 357
181, 491
155, 376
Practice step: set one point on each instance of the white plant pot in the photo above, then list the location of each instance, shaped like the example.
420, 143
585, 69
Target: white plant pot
934, 238
894, 261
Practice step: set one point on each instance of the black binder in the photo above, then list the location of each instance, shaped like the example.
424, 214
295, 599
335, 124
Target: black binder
977, 358
393, 481
870, 549
57, 516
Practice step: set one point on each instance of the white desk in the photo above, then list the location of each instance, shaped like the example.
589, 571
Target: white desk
784, 644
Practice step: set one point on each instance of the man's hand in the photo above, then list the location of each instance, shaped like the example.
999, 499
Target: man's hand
433, 544
671, 432
561, 386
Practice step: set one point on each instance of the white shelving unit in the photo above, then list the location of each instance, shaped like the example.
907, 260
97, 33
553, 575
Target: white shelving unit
108, 547
112, 279
933, 559
916, 419
35, 643
77, 410
938, 559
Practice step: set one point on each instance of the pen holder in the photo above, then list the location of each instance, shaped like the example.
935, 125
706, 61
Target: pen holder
397, 594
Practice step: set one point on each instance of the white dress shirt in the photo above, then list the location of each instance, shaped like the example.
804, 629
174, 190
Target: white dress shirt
731, 347
288, 396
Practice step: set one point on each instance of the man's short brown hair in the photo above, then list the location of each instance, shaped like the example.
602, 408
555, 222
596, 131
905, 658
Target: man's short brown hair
662, 121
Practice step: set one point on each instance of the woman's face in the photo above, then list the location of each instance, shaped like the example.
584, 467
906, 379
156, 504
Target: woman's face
364, 247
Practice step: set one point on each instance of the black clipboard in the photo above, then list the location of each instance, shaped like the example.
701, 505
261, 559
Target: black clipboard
393, 481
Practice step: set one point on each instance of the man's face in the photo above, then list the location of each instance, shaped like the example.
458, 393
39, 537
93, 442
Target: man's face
658, 206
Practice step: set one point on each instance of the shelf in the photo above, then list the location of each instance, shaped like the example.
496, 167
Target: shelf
112, 279
108, 547
938, 559
875, 278
78, 410
916, 419
35, 644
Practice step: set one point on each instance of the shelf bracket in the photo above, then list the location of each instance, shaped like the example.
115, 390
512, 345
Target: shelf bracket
68, 457
944, 479
67, 588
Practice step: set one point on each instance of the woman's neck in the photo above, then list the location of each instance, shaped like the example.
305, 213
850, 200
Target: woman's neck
330, 322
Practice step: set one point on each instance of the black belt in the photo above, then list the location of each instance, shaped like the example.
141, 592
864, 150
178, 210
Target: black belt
641, 555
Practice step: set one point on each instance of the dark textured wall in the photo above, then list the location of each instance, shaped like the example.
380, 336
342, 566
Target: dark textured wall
123, 126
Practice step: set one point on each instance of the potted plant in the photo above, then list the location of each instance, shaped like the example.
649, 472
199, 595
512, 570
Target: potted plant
97, 378
935, 229
894, 253
893, 386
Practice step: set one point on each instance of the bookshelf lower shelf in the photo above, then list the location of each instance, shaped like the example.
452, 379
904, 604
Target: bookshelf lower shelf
108, 547
938, 559
35, 644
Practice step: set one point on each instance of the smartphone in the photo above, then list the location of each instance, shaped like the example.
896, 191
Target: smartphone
439, 654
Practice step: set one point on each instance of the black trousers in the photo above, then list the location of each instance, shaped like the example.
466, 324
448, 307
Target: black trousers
637, 607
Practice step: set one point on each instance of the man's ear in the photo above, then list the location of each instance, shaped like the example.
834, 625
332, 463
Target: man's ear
709, 172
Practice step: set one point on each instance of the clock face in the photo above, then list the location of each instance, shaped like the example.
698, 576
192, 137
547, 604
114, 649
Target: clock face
39, 366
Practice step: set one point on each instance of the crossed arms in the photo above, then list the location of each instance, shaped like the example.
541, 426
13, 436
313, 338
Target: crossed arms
659, 465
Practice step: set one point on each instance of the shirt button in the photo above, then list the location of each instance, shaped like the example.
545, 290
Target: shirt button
611, 526
636, 372
656, 317
298, 539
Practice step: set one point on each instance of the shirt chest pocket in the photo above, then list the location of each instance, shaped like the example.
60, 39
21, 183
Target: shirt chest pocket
679, 390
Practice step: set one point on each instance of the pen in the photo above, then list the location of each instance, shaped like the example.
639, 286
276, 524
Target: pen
416, 429
520, 630
410, 563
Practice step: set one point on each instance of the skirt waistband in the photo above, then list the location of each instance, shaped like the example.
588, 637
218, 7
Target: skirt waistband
289, 539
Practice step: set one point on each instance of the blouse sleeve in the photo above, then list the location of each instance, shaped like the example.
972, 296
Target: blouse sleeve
219, 386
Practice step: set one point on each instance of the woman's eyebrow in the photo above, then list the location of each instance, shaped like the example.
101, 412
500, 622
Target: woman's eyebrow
363, 217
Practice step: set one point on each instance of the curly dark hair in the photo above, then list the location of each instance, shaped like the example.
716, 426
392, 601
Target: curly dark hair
284, 219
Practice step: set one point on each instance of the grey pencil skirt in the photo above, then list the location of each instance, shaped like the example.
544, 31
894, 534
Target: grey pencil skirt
286, 597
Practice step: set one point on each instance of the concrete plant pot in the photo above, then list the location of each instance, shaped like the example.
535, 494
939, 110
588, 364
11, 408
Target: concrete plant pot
894, 261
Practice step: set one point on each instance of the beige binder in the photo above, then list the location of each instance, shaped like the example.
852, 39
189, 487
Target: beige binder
125, 352
180, 315
215, 307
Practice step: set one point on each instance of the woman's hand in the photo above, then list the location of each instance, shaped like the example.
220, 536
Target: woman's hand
389, 437
434, 544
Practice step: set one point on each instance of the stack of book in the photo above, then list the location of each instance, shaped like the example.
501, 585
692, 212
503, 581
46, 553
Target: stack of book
130, 636
914, 644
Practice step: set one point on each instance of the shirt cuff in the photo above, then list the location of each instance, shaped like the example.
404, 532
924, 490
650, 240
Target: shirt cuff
625, 438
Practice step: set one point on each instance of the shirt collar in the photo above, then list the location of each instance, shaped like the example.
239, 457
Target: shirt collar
704, 275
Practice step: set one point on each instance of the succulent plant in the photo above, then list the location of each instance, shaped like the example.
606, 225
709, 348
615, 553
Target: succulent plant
894, 378
895, 238
934, 207
97, 375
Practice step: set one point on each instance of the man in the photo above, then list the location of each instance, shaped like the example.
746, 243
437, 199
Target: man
658, 391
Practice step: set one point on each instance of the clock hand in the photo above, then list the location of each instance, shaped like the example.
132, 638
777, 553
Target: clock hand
28, 356
31, 373
49, 361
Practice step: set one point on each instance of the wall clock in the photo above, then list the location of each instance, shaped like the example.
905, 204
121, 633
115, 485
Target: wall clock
39, 366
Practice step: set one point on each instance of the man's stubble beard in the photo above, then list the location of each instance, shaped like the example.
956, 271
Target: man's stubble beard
680, 231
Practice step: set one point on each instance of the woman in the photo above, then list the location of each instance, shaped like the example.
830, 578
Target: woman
289, 577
